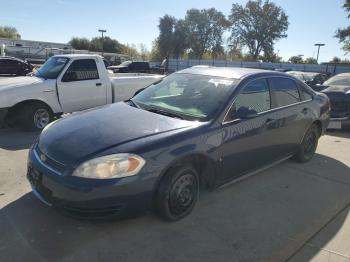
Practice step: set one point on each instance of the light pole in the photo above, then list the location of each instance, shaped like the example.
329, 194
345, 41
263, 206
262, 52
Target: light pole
102, 31
318, 50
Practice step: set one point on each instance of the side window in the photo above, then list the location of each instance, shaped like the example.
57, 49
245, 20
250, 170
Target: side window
82, 69
253, 99
306, 93
284, 91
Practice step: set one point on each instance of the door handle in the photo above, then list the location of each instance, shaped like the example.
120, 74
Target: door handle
98, 84
305, 110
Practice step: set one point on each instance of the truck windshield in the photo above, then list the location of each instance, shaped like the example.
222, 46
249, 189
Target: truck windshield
52, 68
189, 96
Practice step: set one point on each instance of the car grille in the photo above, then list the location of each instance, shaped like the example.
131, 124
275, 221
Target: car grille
48, 161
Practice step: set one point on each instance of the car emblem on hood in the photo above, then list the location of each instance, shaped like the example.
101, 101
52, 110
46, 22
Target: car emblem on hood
43, 157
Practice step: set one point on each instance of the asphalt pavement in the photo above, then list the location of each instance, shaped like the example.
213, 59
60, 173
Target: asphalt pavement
290, 212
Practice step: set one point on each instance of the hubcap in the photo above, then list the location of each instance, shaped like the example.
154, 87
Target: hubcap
183, 194
41, 118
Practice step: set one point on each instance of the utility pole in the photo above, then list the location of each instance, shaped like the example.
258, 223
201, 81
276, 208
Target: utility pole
102, 31
318, 50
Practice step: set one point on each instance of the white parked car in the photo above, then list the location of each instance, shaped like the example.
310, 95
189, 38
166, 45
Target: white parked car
65, 84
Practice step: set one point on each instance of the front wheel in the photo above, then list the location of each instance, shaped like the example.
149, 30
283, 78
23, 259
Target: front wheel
308, 146
34, 116
178, 193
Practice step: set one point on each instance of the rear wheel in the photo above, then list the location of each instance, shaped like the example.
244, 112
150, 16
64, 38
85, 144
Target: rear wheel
34, 116
308, 146
178, 193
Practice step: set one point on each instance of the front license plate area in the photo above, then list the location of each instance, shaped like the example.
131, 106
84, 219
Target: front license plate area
334, 124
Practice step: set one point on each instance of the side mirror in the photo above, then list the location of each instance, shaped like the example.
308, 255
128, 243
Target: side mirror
245, 113
70, 76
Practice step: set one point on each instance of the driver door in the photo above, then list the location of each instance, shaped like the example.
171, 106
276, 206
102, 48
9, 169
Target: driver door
248, 131
81, 87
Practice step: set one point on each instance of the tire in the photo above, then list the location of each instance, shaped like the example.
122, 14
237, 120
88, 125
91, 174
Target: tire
34, 116
178, 193
308, 146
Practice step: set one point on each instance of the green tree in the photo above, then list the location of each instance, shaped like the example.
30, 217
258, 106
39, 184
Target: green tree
143, 52
80, 43
155, 55
310, 60
343, 34
109, 45
335, 60
180, 39
258, 25
166, 35
205, 28
9, 32
130, 50
296, 59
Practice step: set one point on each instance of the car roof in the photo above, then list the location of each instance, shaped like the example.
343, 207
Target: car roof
227, 72
343, 74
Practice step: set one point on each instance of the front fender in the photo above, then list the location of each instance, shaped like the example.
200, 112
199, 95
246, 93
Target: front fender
44, 91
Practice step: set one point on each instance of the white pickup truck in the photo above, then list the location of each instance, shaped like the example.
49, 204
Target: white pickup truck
65, 84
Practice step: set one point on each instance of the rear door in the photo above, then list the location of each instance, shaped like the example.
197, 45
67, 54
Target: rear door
81, 87
292, 114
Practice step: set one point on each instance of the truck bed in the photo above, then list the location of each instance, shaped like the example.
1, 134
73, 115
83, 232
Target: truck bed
125, 85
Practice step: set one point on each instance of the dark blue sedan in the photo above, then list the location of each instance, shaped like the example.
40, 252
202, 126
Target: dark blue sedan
199, 127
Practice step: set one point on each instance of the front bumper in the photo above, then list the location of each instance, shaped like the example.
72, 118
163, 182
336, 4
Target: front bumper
88, 198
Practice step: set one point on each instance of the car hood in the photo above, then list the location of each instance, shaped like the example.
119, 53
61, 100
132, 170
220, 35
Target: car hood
81, 136
15, 82
337, 89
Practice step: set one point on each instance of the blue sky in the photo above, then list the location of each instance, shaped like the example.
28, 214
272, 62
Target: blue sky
136, 21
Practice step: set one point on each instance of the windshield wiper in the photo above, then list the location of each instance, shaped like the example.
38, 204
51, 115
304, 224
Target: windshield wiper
165, 113
132, 103
40, 75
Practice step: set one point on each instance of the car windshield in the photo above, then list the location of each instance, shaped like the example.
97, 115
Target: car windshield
126, 63
339, 80
188, 96
52, 68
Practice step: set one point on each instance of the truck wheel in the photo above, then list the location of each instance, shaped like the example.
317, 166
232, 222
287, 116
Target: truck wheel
34, 116
308, 146
178, 193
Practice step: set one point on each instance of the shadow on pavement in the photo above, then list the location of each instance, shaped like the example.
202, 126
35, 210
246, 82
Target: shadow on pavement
14, 139
267, 217
337, 133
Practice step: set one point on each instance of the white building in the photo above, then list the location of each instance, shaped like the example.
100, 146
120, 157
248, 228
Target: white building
31, 49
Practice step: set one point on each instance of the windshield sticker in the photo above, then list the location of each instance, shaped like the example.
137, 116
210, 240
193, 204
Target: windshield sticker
61, 60
218, 82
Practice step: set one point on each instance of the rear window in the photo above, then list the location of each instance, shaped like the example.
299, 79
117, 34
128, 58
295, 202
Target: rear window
284, 91
306, 93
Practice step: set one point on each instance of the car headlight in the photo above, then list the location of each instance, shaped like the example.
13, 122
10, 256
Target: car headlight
111, 166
